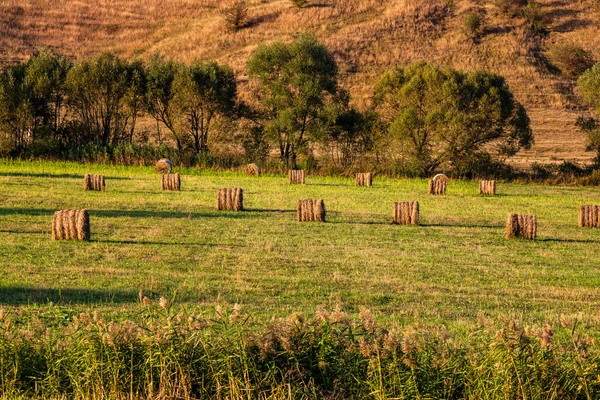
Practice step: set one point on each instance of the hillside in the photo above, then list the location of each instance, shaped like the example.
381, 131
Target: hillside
367, 37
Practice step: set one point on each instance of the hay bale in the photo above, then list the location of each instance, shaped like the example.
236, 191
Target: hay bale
523, 226
230, 199
171, 182
406, 213
364, 179
487, 187
252, 169
438, 184
71, 225
311, 210
94, 182
589, 216
296, 176
164, 166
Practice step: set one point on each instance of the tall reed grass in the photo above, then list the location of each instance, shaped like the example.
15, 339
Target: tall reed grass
169, 354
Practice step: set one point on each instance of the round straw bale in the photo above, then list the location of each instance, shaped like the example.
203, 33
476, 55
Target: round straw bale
164, 166
252, 169
441, 177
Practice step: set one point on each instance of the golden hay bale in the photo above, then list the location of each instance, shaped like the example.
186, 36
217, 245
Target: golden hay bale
296, 176
311, 210
252, 169
437, 185
171, 182
589, 216
406, 213
71, 225
524, 226
230, 199
94, 182
364, 179
164, 166
487, 187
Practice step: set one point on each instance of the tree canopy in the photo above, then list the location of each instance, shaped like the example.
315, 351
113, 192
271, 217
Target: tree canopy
295, 81
439, 118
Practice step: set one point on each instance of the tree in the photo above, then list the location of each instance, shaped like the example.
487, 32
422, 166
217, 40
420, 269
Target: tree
160, 75
45, 76
589, 87
439, 117
346, 132
16, 111
98, 91
295, 81
203, 92
571, 59
473, 23
235, 15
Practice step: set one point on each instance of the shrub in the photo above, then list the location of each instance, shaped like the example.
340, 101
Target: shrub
511, 7
235, 15
473, 23
299, 3
571, 59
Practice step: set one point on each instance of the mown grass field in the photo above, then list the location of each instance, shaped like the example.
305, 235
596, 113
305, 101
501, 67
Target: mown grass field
453, 269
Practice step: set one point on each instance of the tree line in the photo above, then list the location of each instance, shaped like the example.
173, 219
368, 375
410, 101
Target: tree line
423, 118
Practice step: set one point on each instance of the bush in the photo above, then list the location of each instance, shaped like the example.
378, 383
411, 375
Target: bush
511, 7
235, 15
473, 23
572, 60
299, 3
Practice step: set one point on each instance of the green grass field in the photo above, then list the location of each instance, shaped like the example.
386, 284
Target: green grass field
451, 270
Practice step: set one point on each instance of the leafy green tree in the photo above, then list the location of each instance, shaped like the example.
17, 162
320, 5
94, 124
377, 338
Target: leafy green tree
295, 82
204, 92
16, 111
589, 87
441, 118
135, 94
346, 132
45, 77
97, 93
160, 75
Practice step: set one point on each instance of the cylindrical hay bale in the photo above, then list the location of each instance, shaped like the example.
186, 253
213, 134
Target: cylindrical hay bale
171, 182
487, 187
588, 216
364, 179
94, 182
406, 213
437, 185
311, 210
296, 176
230, 199
252, 169
524, 226
71, 225
164, 166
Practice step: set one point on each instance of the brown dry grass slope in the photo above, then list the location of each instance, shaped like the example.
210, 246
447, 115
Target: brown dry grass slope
366, 36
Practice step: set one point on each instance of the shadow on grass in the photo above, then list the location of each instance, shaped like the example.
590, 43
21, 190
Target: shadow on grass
461, 225
15, 295
559, 240
265, 210
57, 176
129, 213
157, 243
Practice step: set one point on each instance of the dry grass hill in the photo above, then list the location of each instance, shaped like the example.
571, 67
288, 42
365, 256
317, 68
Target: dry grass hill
367, 37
